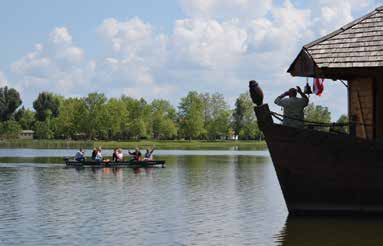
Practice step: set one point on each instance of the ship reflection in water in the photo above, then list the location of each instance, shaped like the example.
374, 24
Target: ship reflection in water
339, 231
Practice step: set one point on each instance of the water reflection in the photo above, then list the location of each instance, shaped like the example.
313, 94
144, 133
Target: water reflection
196, 200
337, 231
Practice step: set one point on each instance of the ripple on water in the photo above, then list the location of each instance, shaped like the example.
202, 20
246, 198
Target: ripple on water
196, 200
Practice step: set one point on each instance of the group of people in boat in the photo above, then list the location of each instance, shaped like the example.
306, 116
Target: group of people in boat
117, 156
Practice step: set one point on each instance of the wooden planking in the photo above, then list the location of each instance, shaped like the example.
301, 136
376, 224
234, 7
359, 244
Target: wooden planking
343, 55
362, 105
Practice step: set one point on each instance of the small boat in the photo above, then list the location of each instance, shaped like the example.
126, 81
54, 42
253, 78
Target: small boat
129, 163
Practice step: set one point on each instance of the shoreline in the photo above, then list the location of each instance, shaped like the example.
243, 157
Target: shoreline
162, 144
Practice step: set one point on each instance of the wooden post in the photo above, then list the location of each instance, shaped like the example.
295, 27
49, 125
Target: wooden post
362, 116
263, 116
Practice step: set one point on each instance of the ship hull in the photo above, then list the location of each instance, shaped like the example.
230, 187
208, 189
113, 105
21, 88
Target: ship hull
323, 173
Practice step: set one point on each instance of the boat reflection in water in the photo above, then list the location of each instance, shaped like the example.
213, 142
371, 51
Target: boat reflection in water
116, 171
339, 231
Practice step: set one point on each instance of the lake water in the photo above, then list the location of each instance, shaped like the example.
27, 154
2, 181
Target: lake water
200, 198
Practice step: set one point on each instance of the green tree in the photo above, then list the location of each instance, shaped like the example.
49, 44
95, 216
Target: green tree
43, 130
250, 131
317, 113
118, 114
9, 102
244, 121
46, 104
167, 129
343, 119
71, 119
10, 129
163, 119
212, 106
95, 115
25, 118
191, 116
138, 129
219, 126
138, 124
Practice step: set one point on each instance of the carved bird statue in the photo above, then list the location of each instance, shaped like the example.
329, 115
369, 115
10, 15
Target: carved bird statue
256, 92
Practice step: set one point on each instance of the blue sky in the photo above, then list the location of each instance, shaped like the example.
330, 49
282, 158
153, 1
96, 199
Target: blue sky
28, 22
163, 49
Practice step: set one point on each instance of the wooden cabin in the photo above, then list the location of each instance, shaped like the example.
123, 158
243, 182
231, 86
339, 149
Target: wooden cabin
26, 134
354, 53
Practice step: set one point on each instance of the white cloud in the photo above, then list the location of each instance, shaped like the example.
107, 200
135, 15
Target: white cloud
208, 43
331, 15
136, 53
57, 65
222, 9
134, 39
287, 27
3, 79
60, 35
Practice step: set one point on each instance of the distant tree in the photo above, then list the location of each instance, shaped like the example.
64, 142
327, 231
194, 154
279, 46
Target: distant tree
343, 119
250, 131
9, 102
138, 123
10, 129
244, 121
317, 113
213, 105
95, 112
118, 112
167, 129
46, 104
163, 119
219, 126
191, 116
43, 130
72, 118
25, 118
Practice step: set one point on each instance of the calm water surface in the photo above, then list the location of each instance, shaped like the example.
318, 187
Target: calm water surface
197, 200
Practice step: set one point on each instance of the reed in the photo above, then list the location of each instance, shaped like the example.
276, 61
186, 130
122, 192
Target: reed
45, 144
182, 144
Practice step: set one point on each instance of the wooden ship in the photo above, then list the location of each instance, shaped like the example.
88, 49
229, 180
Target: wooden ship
322, 172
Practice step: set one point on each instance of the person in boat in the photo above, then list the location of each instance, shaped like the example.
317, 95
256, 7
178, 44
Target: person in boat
99, 155
80, 155
119, 155
94, 154
293, 107
114, 156
136, 154
149, 154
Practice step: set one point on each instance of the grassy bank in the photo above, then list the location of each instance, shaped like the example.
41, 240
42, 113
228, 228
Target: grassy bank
45, 144
63, 144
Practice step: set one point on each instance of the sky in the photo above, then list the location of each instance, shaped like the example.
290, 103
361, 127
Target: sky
163, 49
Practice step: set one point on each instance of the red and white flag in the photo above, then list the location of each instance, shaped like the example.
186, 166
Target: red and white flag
318, 86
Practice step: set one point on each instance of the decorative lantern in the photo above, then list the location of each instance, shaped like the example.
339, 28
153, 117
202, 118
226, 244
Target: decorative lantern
307, 90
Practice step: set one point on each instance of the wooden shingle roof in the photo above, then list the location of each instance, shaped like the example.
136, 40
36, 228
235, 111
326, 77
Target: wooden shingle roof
358, 44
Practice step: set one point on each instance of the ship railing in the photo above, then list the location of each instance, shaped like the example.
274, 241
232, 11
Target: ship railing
331, 127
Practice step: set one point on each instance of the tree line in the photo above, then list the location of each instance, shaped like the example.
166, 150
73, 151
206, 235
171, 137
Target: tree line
201, 116
197, 116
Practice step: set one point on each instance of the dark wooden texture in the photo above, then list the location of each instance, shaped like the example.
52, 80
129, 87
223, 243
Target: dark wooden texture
323, 173
361, 92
